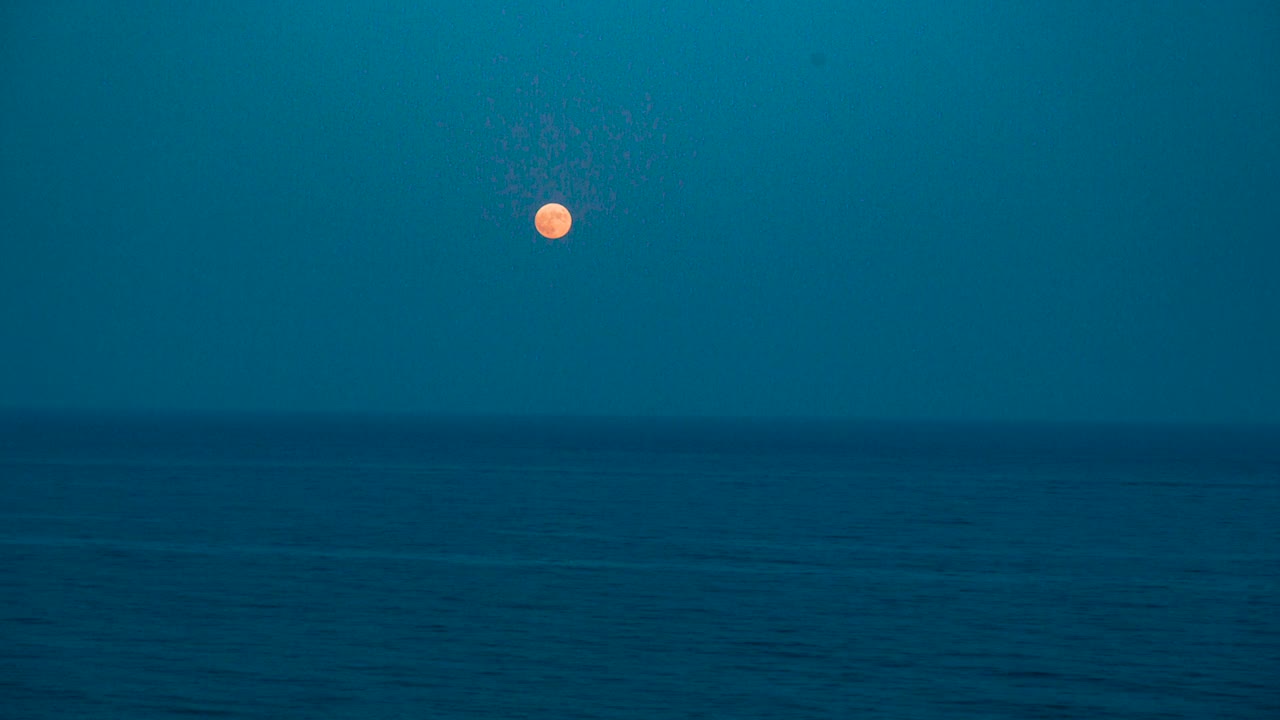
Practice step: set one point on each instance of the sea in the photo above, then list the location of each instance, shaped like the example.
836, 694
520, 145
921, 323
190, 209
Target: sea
555, 568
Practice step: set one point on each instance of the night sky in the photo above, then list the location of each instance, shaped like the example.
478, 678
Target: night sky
924, 209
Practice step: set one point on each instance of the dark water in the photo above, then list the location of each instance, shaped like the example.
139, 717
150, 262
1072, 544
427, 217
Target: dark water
154, 568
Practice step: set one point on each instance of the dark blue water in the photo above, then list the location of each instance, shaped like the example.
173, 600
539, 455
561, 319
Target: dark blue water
164, 567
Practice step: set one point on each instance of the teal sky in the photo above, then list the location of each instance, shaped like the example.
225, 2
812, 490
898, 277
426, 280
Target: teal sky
969, 210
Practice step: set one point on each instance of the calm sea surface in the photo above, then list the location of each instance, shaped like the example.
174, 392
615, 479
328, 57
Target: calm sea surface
373, 568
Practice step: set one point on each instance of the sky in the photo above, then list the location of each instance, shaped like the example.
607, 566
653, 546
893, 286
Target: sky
917, 209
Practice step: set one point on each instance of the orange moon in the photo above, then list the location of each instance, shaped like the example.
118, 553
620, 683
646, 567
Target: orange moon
553, 221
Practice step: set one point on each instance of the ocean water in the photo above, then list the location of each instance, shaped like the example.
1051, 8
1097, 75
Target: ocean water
554, 568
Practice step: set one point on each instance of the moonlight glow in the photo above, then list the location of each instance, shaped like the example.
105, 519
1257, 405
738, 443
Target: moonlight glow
565, 139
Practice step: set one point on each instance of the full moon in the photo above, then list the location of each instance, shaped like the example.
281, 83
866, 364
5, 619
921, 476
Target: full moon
553, 221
